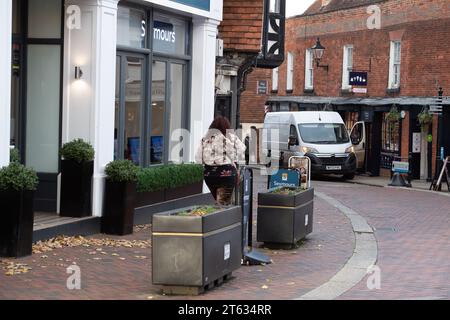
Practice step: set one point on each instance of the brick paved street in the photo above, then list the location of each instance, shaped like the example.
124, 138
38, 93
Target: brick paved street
412, 230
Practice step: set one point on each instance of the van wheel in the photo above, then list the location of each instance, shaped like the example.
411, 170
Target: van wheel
349, 176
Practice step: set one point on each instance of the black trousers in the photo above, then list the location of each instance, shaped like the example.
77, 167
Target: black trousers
221, 181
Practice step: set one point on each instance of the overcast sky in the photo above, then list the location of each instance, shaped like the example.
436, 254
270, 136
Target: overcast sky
295, 7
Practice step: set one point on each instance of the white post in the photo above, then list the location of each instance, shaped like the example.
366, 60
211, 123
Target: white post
203, 79
5, 79
89, 101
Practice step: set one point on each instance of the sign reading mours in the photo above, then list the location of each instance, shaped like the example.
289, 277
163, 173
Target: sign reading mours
358, 79
200, 4
164, 37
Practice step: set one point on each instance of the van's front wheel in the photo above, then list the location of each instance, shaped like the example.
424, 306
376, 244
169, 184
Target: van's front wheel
349, 176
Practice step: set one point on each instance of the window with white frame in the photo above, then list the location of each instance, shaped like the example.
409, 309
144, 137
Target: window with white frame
394, 64
309, 70
275, 79
347, 66
290, 72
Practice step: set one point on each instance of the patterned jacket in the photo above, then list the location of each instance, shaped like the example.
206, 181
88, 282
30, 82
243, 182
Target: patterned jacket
218, 150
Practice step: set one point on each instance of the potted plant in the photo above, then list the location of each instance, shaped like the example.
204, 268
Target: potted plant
425, 119
17, 186
77, 168
393, 115
195, 248
285, 215
120, 195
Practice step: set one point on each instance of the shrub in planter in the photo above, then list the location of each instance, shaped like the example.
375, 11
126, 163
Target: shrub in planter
285, 215
195, 247
17, 186
120, 197
158, 184
77, 168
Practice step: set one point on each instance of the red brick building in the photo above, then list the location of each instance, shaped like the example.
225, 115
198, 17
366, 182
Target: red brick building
243, 32
405, 60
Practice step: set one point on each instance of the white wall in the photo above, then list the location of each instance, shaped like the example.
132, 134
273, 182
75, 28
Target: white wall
88, 109
5, 79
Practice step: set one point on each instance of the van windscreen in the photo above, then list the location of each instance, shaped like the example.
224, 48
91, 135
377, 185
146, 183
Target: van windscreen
323, 133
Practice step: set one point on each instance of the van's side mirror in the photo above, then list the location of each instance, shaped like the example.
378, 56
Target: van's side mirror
292, 141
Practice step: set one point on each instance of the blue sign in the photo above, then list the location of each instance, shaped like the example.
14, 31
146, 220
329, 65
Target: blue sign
285, 178
358, 78
200, 4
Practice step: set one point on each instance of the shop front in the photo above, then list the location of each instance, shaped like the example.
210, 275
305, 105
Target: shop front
129, 77
385, 139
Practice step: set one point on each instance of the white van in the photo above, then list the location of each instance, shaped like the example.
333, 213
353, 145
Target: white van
320, 135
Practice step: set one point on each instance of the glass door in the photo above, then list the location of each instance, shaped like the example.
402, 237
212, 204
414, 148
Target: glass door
130, 99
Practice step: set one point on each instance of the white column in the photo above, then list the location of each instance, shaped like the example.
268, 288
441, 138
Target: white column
203, 79
5, 79
89, 101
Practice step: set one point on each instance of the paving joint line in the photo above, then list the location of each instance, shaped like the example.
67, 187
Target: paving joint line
356, 268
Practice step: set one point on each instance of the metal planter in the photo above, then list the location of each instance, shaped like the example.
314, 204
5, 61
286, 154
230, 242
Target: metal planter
285, 219
118, 208
76, 188
194, 251
16, 227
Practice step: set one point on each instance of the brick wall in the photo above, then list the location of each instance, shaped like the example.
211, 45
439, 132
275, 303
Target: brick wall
252, 104
242, 23
424, 28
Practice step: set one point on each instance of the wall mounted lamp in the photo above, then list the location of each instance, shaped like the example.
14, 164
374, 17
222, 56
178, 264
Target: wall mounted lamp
318, 51
78, 72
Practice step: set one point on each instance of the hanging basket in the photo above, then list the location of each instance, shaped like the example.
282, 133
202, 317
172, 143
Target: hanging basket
393, 115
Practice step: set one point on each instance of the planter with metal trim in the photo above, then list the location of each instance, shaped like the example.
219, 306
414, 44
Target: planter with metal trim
285, 216
195, 248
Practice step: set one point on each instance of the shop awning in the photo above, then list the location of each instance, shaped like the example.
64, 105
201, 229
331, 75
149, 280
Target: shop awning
402, 101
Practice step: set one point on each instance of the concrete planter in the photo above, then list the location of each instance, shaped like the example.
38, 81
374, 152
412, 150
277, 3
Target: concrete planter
16, 227
285, 219
195, 252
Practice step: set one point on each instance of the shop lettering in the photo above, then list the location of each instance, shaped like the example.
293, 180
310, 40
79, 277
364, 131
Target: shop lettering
143, 28
164, 35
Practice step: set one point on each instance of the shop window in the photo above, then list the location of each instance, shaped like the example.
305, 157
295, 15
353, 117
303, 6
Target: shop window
169, 35
131, 27
390, 136
44, 19
350, 119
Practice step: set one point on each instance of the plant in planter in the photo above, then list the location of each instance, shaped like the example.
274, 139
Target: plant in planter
425, 120
120, 197
195, 248
77, 168
163, 183
17, 186
393, 115
285, 215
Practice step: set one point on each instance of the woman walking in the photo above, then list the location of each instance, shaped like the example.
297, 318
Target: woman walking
220, 152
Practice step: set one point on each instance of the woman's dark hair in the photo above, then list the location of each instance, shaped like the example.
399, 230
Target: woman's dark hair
222, 124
